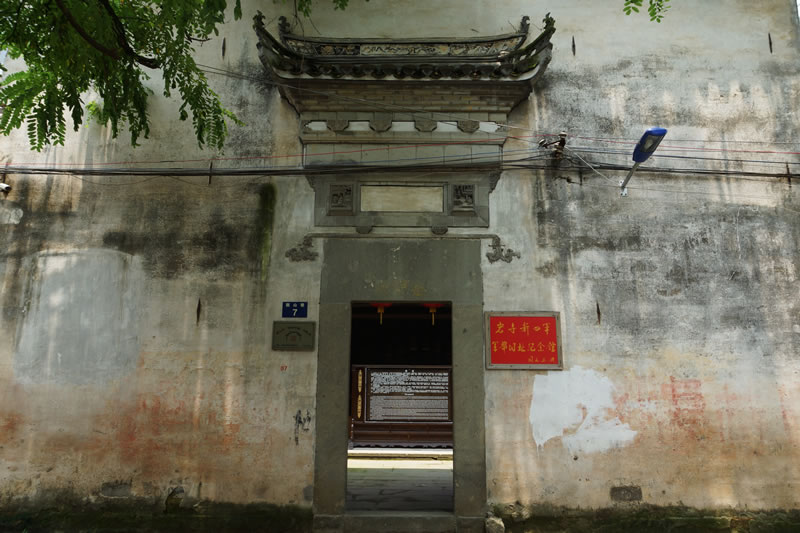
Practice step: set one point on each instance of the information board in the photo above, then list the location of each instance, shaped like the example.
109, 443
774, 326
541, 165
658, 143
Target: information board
408, 395
524, 340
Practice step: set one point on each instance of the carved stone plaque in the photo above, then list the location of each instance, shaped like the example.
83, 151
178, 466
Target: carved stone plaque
340, 201
293, 336
463, 198
402, 198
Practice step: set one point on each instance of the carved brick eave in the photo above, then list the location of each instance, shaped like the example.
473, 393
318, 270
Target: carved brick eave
500, 58
432, 46
404, 108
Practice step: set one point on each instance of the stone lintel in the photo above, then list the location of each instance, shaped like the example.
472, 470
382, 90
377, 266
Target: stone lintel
400, 199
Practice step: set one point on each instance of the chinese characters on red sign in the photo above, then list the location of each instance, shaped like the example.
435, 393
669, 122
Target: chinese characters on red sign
530, 341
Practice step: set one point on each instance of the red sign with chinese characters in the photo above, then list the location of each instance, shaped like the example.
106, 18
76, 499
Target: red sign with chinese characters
520, 340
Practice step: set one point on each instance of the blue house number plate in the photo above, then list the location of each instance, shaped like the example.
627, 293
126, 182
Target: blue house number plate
294, 310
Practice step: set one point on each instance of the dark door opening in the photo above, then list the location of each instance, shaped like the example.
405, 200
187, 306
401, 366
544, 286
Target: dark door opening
401, 409
401, 375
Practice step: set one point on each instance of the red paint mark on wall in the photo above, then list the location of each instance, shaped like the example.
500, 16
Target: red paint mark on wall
687, 404
230, 434
158, 433
784, 398
621, 402
9, 426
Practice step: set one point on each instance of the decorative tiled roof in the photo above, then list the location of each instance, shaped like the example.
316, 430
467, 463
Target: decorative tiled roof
500, 57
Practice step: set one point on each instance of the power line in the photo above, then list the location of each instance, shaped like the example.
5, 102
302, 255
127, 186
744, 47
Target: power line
659, 155
506, 168
521, 164
456, 164
581, 149
386, 165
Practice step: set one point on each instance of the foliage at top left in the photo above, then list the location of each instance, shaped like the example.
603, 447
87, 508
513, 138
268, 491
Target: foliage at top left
110, 47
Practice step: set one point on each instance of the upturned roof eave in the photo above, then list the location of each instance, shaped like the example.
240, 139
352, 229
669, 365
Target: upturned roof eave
287, 37
510, 65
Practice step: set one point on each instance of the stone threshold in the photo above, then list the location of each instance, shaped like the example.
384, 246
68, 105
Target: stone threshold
398, 522
400, 453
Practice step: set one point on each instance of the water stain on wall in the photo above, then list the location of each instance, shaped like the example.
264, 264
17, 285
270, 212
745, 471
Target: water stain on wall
265, 221
10, 213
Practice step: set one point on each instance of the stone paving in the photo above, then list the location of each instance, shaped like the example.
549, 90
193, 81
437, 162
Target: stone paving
399, 484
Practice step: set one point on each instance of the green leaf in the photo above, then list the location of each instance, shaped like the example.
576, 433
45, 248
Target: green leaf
62, 63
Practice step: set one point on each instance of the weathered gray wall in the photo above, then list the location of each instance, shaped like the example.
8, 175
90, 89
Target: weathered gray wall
679, 301
137, 344
136, 313
680, 335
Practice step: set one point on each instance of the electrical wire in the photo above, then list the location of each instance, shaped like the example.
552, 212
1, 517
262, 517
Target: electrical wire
639, 188
386, 165
589, 165
659, 155
728, 141
105, 183
581, 149
517, 165
425, 114
455, 164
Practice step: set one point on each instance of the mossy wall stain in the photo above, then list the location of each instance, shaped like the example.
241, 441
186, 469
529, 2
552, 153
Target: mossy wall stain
140, 516
265, 221
642, 518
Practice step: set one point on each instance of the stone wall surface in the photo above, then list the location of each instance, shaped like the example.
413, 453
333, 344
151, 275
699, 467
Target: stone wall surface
135, 357
137, 352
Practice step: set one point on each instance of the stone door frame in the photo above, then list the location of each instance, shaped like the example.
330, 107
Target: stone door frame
371, 269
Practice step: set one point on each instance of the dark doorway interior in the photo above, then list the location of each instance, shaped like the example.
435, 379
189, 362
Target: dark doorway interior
401, 414
401, 375
406, 334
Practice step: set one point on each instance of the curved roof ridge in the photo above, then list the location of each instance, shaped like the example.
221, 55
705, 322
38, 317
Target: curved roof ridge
496, 57
484, 45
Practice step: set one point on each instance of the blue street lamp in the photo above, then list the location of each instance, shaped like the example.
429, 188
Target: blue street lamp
644, 149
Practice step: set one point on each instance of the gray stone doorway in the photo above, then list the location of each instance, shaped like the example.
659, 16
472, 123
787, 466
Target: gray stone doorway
389, 269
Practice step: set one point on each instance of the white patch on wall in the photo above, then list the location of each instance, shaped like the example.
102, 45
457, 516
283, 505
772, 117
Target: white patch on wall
80, 323
578, 406
317, 125
403, 126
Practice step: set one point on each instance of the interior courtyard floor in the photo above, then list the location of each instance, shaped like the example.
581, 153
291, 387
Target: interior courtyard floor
409, 480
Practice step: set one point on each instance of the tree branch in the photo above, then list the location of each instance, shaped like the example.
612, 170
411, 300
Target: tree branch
195, 39
16, 20
114, 54
122, 38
